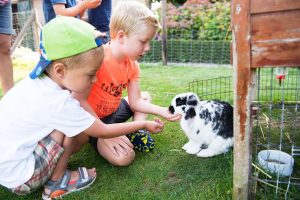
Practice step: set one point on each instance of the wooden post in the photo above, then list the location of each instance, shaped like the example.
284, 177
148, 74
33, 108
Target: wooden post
240, 15
164, 31
37, 29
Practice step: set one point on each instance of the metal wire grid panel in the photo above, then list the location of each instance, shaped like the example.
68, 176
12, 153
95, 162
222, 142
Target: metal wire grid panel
276, 123
183, 48
19, 19
215, 88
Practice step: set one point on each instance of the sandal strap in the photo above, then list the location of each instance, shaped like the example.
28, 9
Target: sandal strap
65, 180
83, 174
62, 183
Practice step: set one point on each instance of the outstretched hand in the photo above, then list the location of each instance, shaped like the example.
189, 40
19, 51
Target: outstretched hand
155, 126
165, 113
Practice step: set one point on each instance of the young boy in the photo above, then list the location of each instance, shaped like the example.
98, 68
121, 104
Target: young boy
132, 27
73, 8
42, 125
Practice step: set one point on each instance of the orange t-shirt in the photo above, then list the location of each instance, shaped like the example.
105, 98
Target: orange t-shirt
113, 77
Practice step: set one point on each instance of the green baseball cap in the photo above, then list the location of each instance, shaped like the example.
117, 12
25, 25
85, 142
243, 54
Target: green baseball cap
64, 37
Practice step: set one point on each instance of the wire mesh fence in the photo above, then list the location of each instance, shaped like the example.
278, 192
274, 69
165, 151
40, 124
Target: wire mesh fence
19, 20
275, 126
276, 130
215, 88
182, 47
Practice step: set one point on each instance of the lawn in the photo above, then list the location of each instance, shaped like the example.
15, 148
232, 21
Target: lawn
167, 172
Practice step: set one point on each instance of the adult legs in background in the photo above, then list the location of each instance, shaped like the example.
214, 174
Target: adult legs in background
6, 69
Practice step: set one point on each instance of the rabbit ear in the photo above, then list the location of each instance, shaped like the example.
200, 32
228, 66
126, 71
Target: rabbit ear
180, 101
192, 100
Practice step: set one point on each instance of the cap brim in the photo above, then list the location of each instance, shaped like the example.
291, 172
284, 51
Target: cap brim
39, 68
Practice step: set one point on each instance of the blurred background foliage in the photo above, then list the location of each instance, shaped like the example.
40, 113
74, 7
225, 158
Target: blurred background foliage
206, 19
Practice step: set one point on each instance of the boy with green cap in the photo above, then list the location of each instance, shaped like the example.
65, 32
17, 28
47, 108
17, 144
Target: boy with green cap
42, 125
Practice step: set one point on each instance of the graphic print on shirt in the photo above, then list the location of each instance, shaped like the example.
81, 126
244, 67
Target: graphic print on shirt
113, 78
114, 90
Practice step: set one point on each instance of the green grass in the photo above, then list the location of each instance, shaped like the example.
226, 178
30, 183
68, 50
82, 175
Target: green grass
167, 172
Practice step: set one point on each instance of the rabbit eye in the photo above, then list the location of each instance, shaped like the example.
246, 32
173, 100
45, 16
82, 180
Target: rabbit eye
183, 108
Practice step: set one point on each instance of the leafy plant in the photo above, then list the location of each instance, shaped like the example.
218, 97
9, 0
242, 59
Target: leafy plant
207, 21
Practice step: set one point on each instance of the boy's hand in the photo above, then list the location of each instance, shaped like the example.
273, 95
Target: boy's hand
119, 145
91, 3
155, 126
165, 113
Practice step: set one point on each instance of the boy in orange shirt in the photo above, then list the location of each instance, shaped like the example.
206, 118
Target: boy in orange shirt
132, 27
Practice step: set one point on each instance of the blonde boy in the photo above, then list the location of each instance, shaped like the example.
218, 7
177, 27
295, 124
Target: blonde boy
132, 27
42, 125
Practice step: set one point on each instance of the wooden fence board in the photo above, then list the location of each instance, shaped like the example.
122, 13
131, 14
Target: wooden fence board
285, 52
265, 6
275, 25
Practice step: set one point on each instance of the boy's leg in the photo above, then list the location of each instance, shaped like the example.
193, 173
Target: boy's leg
51, 158
70, 146
119, 150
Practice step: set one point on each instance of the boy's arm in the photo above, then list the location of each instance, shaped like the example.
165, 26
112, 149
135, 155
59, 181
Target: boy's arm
138, 104
82, 98
100, 130
80, 7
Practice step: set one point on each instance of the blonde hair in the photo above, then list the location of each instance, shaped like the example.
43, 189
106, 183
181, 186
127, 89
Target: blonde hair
130, 17
80, 60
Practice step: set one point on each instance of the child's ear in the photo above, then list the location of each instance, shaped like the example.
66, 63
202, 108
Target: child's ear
120, 36
59, 70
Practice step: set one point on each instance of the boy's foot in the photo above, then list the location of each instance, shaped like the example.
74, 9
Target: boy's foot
141, 140
70, 182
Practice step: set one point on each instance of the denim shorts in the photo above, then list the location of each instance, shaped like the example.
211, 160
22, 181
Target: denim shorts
6, 19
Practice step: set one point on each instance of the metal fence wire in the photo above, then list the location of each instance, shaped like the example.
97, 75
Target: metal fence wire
19, 19
275, 126
182, 47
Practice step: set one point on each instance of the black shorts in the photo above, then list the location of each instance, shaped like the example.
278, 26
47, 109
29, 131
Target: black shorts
122, 114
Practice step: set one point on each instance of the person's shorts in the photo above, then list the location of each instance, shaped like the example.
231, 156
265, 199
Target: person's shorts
6, 19
46, 156
122, 114
106, 39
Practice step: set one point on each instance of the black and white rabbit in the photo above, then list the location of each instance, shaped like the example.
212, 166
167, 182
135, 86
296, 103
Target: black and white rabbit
207, 124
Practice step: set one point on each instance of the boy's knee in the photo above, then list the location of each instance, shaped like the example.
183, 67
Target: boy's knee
57, 136
146, 96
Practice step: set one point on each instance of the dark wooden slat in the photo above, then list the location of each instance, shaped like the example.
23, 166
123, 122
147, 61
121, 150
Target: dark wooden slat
265, 6
276, 53
275, 25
